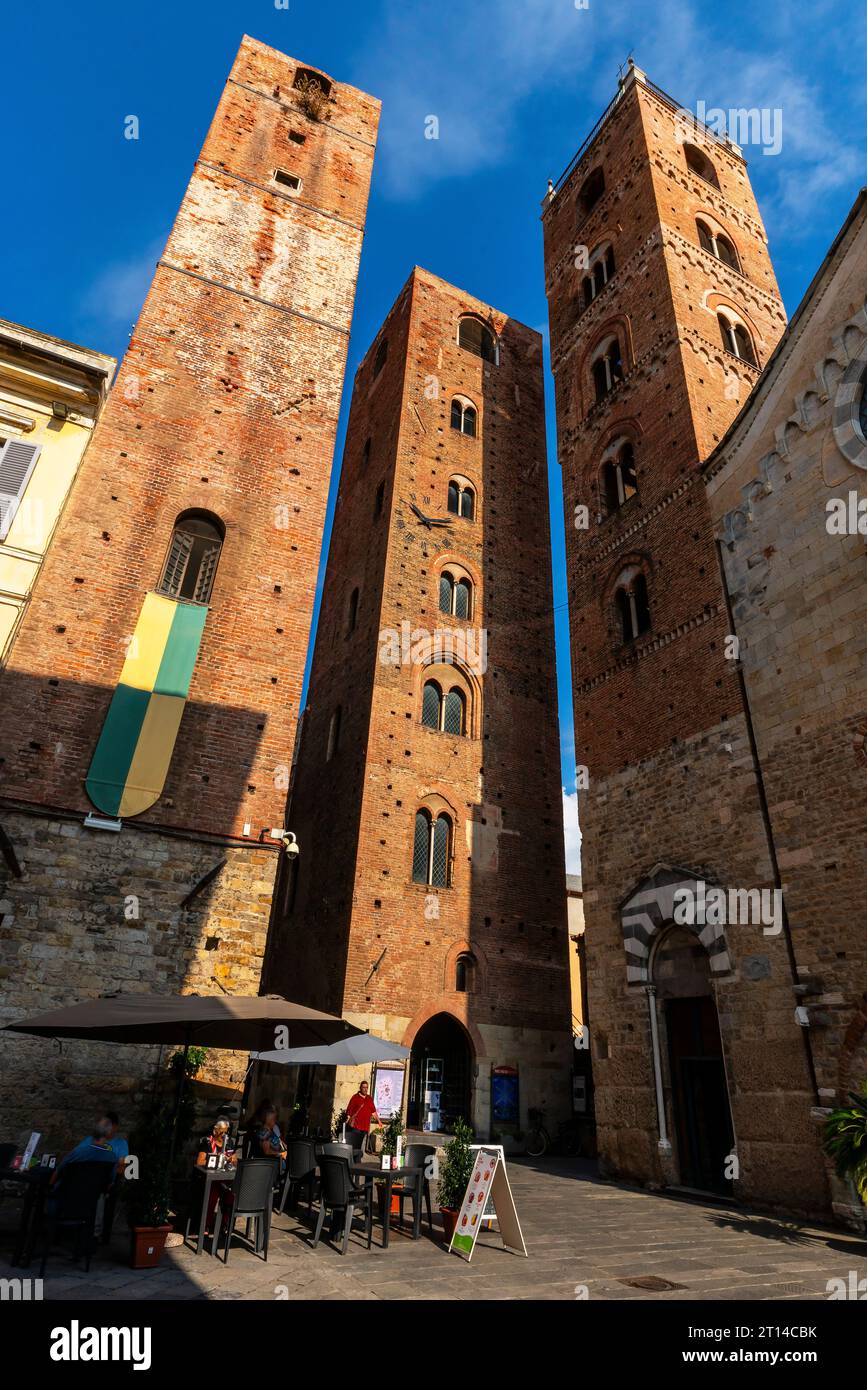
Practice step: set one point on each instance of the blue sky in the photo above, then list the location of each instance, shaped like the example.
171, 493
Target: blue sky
515, 85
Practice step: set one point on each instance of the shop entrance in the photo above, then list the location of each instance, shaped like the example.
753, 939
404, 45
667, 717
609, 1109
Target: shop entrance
440, 1075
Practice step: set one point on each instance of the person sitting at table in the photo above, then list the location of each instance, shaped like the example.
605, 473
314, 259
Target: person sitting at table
103, 1144
264, 1139
217, 1142
214, 1143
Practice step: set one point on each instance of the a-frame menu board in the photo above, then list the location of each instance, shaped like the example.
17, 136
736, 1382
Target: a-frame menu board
488, 1179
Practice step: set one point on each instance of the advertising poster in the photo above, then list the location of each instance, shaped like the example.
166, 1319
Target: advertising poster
504, 1096
388, 1091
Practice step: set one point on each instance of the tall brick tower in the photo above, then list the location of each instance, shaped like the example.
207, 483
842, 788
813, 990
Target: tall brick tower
155, 680
429, 904
663, 308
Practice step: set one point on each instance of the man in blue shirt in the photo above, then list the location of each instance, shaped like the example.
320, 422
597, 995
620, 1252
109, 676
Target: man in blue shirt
104, 1144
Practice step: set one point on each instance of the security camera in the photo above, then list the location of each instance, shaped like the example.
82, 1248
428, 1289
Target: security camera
291, 845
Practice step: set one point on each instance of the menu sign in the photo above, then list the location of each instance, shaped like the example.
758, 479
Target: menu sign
488, 1180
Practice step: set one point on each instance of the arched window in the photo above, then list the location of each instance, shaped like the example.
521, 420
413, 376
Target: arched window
591, 191
431, 705
352, 616
736, 339
333, 735
607, 368
600, 271
464, 417
379, 360
698, 162
453, 712
465, 973
478, 338
456, 596
431, 850
717, 245
461, 499
619, 478
306, 77
632, 605
191, 562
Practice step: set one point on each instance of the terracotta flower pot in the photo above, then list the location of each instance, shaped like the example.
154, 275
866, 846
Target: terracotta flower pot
148, 1243
450, 1220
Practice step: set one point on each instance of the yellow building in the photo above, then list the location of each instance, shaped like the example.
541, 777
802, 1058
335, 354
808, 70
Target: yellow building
51, 394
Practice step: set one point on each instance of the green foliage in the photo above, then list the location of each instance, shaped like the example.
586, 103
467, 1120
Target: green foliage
457, 1168
195, 1061
337, 1123
391, 1132
846, 1140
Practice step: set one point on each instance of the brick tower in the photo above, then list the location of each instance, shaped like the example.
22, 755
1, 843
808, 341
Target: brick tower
429, 904
663, 308
155, 680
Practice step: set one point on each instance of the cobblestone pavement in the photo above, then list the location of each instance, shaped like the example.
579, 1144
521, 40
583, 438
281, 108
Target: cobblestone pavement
579, 1231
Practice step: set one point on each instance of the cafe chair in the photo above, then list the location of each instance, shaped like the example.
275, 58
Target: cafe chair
75, 1201
415, 1186
338, 1150
300, 1171
253, 1199
338, 1193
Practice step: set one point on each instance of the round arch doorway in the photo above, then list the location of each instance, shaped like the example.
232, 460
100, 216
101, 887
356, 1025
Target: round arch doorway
440, 1075
694, 1073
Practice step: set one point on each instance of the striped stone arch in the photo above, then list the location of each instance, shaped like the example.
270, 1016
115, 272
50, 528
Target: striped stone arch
847, 400
649, 908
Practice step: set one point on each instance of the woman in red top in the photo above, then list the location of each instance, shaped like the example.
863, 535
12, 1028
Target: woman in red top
359, 1113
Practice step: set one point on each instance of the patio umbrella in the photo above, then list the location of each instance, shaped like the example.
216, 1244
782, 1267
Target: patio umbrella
240, 1022
363, 1047
236, 1022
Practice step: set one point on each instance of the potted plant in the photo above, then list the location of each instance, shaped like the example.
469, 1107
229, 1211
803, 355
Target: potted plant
389, 1134
455, 1174
147, 1188
846, 1140
337, 1123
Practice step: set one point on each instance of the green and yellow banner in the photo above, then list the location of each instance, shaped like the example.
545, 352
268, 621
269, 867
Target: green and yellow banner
132, 757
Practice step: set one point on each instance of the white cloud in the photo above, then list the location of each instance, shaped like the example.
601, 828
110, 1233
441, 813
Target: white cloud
115, 297
471, 70
571, 832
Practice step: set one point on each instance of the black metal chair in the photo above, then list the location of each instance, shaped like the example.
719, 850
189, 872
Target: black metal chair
416, 1185
338, 1193
75, 1202
300, 1171
252, 1195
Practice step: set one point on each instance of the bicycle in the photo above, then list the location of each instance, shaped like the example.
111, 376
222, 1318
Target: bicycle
538, 1138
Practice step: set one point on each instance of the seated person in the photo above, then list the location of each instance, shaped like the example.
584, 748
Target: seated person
217, 1142
263, 1134
103, 1145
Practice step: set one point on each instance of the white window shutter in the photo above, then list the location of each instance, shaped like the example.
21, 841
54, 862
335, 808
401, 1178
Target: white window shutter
17, 462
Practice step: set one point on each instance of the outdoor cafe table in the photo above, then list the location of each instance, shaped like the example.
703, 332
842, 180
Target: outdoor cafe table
35, 1183
373, 1172
210, 1176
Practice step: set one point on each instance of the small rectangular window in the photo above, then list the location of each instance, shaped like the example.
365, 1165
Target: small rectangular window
297, 137
287, 180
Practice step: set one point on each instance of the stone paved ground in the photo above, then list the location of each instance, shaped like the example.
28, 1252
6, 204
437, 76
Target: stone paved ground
579, 1231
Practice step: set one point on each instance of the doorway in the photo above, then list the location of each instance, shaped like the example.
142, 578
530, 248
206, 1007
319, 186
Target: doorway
440, 1075
697, 1089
